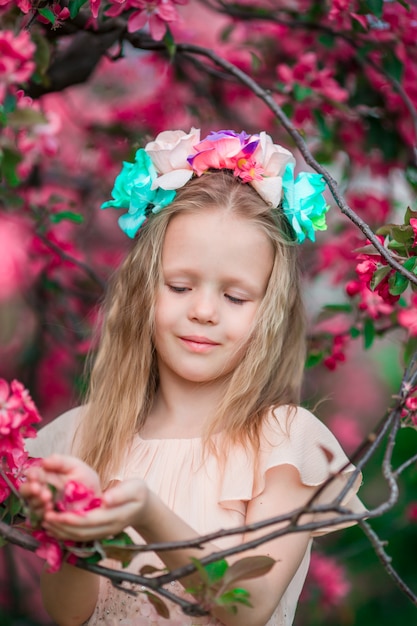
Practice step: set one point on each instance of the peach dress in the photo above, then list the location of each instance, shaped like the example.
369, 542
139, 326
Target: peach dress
209, 499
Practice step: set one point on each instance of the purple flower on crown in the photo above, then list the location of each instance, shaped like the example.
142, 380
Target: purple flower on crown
224, 149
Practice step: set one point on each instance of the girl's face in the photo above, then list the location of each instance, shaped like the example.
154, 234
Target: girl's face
216, 269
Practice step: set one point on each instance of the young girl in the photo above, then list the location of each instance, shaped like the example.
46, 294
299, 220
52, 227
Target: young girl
191, 424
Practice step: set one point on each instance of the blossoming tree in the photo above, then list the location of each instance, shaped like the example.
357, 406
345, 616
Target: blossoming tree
83, 84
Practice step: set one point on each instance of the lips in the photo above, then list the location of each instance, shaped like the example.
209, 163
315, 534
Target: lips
198, 344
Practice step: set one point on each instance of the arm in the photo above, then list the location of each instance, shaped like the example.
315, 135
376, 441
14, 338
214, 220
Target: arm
69, 595
131, 504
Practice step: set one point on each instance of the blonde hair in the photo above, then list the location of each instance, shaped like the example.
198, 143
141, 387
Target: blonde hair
124, 379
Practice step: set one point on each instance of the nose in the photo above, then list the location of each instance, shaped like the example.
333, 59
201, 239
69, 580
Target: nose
204, 307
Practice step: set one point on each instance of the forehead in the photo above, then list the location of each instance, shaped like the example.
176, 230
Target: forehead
219, 245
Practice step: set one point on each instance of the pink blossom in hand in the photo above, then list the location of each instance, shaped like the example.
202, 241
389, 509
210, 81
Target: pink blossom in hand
16, 59
77, 498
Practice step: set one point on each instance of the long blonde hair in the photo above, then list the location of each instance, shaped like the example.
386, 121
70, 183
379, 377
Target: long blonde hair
124, 378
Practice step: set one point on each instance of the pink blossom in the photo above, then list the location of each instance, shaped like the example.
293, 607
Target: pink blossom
49, 549
16, 59
169, 153
337, 354
408, 317
329, 576
347, 431
413, 224
411, 512
17, 416
16, 272
77, 498
154, 13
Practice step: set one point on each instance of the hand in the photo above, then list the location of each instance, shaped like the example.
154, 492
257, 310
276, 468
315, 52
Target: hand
125, 504
56, 470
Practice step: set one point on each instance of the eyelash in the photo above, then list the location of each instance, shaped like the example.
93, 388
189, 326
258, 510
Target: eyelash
232, 299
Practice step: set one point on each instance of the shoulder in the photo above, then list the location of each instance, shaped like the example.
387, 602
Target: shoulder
294, 435
58, 435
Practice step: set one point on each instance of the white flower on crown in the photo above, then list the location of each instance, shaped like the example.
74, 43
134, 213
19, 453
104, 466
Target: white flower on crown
169, 154
274, 159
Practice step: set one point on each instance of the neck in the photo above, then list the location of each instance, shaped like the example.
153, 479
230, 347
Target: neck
182, 408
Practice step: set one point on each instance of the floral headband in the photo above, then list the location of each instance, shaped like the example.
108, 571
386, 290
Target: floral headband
168, 163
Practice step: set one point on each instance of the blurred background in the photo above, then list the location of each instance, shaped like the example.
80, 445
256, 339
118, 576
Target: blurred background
79, 94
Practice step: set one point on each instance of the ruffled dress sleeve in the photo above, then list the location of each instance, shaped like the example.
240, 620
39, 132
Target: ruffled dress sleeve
57, 436
294, 436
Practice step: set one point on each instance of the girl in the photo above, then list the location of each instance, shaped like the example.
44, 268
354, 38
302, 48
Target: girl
192, 423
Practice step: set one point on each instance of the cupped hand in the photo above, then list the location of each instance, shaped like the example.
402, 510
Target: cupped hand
125, 504
56, 470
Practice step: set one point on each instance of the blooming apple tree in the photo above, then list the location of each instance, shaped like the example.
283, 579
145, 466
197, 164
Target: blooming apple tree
83, 84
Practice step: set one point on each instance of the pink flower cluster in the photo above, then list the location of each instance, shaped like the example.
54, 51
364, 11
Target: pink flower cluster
379, 301
153, 13
76, 498
18, 413
16, 59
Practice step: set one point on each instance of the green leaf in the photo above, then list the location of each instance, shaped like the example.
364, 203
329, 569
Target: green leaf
42, 55
301, 93
404, 4
22, 118
215, 571
327, 40
313, 359
256, 61
375, 7
9, 160
338, 308
48, 15
410, 264
56, 218
409, 349
379, 275
368, 333
170, 43
403, 234
355, 332
233, 596
227, 31
397, 284
325, 131
392, 64
410, 214
200, 569
9, 104
75, 6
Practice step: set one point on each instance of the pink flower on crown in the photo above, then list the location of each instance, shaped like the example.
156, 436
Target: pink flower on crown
255, 159
169, 153
224, 149
274, 159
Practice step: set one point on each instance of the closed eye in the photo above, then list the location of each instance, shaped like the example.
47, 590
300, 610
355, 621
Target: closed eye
234, 300
176, 289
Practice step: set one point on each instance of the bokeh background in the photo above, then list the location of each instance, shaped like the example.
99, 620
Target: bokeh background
79, 94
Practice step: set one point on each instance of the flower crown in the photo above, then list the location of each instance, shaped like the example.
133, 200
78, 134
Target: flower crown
168, 163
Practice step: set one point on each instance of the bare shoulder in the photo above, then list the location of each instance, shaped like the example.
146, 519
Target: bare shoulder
58, 435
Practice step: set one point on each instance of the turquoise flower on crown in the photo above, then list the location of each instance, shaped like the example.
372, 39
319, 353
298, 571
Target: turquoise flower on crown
303, 202
133, 191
